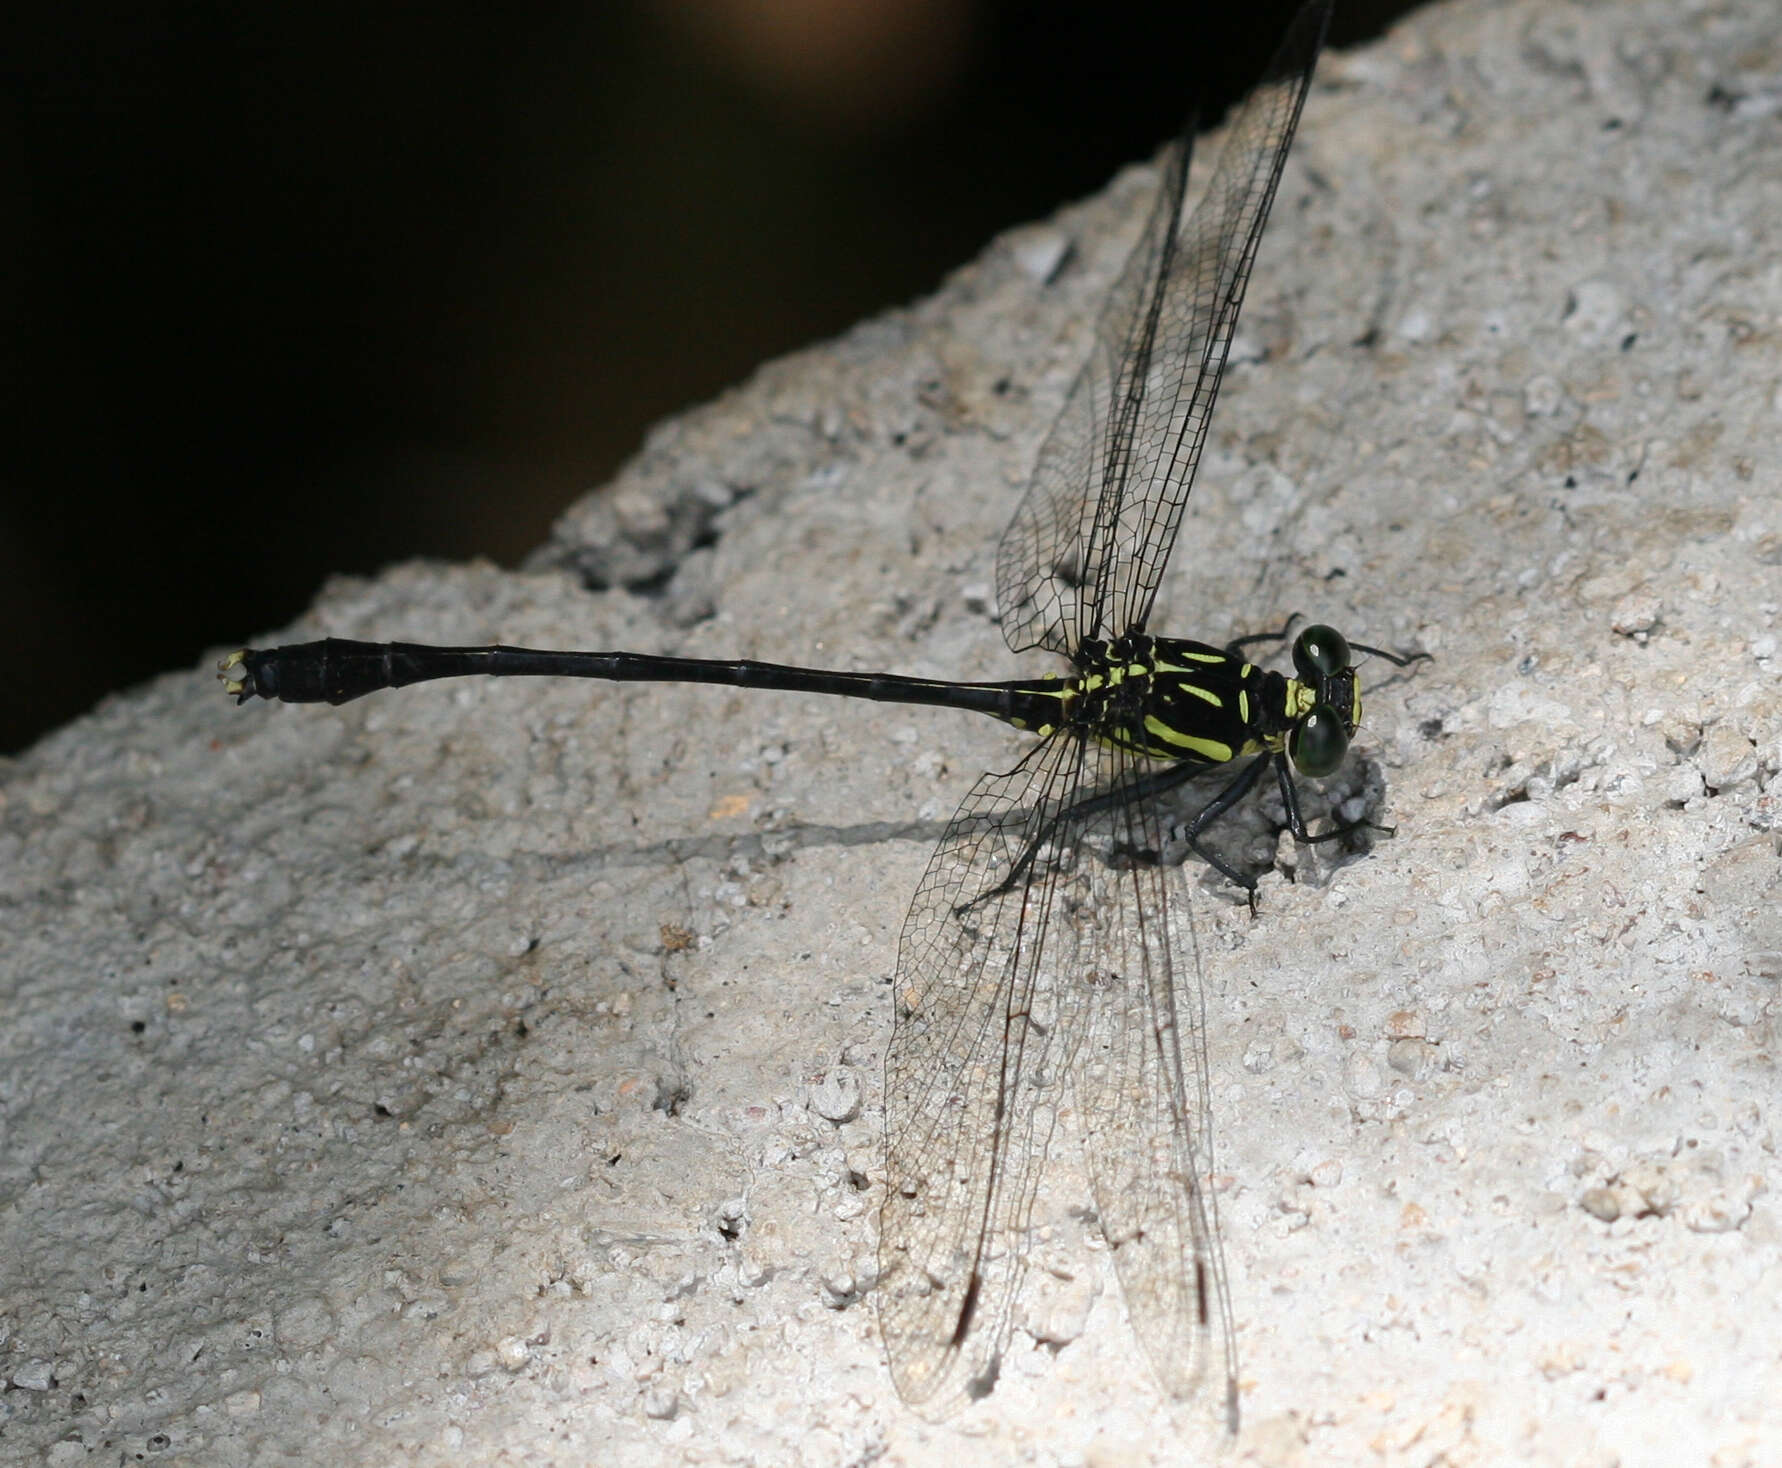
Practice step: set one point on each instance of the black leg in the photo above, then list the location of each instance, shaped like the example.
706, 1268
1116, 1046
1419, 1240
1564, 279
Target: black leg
1216, 807
1150, 786
1296, 822
1168, 779
1238, 644
1397, 660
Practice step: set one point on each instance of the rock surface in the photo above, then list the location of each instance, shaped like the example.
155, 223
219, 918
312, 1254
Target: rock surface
490, 1072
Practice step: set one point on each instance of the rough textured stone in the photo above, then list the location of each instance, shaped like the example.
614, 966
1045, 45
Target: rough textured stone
468, 1074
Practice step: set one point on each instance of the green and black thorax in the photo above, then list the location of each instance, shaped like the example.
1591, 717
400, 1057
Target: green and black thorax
1172, 699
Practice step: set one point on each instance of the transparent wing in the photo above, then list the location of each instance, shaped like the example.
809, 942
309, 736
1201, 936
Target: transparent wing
1139, 1073
972, 1079
1088, 544
1041, 943
1050, 557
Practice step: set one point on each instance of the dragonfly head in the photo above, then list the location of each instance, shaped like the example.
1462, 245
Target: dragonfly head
1328, 701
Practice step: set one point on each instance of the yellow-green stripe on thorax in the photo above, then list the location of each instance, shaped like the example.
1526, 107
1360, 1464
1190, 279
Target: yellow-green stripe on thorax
1169, 699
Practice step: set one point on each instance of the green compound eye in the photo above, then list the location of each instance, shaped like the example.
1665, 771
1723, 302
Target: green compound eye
1319, 650
1318, 741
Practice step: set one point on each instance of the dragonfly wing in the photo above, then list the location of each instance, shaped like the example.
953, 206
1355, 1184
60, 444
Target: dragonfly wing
1050, 558
1139, 1072
1172, 377
1086, 550
972, 1080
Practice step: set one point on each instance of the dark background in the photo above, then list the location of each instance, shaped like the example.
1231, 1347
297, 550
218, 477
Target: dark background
303, 289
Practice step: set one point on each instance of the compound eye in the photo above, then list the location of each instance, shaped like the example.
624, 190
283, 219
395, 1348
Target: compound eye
1318, 742
1319, 651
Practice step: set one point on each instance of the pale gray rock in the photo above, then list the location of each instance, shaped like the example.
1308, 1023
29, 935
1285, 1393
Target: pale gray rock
470, 1074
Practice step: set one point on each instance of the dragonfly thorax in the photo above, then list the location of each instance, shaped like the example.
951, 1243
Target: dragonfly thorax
1173, 699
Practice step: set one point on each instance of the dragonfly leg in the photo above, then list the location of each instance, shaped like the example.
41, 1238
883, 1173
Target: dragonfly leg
1216, 807
1148, 788
1238, 644
1398, 660
1296, 822
1164, 780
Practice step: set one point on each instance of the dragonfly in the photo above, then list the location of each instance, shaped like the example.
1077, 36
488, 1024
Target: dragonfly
1042, 966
